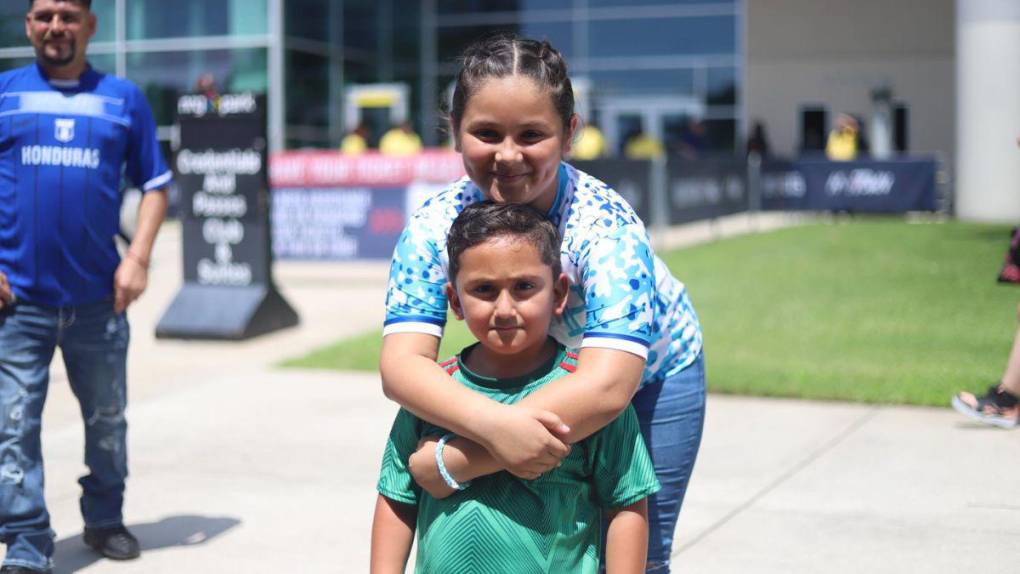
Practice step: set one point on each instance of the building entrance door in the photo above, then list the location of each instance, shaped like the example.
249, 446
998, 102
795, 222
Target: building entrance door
662, 117
378, 106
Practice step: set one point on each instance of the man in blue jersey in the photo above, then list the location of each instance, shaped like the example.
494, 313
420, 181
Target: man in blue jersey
67, 134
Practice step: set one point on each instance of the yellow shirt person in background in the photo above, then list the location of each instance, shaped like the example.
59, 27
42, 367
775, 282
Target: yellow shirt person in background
843, 139
355, 142
400, 140
643, 146
590, 144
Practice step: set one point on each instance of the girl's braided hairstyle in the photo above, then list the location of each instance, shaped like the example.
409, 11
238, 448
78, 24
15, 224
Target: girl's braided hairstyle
508, 55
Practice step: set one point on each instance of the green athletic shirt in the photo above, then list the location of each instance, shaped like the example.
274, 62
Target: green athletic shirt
505, 524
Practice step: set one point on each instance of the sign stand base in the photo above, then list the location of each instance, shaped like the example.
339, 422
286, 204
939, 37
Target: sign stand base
217, 312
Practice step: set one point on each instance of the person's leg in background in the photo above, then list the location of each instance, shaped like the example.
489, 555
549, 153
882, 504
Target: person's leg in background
95, 353
28, 337
1000, 405
1011, 376
672, 417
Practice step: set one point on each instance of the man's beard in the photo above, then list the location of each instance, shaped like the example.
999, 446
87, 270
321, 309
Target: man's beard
58, 62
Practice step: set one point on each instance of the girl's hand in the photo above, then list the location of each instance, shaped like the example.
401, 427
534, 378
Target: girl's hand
526, 441
422, 465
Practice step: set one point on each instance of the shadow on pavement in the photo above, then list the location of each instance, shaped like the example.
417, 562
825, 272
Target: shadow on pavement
71, 554
980, 426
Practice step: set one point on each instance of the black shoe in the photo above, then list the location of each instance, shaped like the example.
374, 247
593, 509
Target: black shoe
9, 569
115, 542
998, 407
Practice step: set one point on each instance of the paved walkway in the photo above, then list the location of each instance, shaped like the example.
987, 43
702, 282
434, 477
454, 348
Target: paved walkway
241, 467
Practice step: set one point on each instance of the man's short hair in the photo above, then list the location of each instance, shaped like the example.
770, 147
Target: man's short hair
86, 3
485, 220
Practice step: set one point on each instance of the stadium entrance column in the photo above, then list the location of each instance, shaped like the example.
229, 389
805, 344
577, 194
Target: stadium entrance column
988, 110
221, 168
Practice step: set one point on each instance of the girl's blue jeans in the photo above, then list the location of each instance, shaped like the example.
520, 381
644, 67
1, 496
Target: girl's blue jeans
93, 341
672, 415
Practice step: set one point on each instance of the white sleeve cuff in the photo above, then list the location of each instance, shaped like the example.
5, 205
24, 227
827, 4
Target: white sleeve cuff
610, 342
413, 327
158, 181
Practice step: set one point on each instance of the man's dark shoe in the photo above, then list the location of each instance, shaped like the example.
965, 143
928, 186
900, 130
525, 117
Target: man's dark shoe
115, 542
21, 570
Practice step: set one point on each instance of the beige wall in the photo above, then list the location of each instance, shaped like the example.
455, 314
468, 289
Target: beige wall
832, 53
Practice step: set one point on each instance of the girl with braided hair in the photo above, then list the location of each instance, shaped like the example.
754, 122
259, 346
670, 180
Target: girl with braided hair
513, 121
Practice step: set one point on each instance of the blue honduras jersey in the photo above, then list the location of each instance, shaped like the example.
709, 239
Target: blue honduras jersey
63, 146
621, 295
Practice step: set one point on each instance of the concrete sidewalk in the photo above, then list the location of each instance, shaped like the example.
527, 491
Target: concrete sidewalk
239, 466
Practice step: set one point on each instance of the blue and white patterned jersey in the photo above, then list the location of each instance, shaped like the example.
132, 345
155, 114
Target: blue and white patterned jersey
621, 295
64, 146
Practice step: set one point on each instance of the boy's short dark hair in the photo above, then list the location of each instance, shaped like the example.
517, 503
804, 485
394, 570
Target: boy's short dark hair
86, 3
485, 220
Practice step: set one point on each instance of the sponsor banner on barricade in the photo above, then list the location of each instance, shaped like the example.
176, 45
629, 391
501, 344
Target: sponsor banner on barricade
893, 186
329, 206
329, 169
705, 189
630, 178
337, 223
782, 186
335, 207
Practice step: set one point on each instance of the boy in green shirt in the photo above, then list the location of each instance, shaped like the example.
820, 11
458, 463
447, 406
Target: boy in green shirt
506, 284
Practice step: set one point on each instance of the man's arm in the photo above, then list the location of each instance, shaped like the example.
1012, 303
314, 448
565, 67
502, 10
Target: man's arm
6, 295
392, 535
132, 275
627, 539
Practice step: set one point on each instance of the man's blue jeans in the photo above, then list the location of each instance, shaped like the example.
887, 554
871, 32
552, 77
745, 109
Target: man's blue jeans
94, 344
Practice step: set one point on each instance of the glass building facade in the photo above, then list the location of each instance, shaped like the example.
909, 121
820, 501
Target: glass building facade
649, 64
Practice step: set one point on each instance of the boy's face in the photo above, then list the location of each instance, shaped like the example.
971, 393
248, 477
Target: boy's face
507, 295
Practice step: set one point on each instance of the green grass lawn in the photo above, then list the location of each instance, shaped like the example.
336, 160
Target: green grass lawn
872, 310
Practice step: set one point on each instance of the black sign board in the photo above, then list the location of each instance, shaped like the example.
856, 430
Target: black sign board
221, 169
705, 189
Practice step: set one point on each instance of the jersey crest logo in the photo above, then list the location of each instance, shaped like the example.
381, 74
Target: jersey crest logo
64, 129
